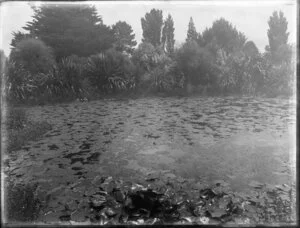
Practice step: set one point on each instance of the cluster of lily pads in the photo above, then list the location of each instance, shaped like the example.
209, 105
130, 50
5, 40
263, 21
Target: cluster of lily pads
169, 200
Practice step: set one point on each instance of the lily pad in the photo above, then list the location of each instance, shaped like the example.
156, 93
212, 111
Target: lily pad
51, 217
255, 184
79, 215
218, 213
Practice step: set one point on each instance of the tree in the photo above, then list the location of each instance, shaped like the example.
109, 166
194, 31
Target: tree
110, 71
17, 37
196, 64
156, 70
168, 40
191, 33
33, 55
124, 37
250, 49
70, 29
222, 35
3, 61
277, 32
152, 24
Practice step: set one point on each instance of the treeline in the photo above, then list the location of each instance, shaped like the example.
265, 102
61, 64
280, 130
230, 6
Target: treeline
68, 53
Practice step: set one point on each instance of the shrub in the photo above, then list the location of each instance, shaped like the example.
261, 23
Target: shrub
144, 56
162, 76
15, 118
196, 64
19, 82
241, 73
19, 130
110, 71
70, 73
30, 132
30, 61
22, 204
279, 80
156, 70
33, 55
64, 81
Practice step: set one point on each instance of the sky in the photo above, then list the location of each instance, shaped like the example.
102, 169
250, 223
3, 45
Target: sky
248, 16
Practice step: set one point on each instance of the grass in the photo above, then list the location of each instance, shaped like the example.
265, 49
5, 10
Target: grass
21, 203
19, 130
20, 137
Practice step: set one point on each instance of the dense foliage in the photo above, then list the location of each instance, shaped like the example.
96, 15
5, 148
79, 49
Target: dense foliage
33, 55
85, 58
124, 37
191, 33
70, 30
196, 64
167, 38
222, 35
152, 24
277, 34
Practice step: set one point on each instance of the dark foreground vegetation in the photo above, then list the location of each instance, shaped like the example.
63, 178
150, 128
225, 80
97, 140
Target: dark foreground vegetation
160, 199
91, 59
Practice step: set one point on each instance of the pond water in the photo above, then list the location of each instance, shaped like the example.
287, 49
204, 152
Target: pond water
208, 139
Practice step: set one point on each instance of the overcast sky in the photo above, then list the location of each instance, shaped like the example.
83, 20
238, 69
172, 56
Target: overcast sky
250, 17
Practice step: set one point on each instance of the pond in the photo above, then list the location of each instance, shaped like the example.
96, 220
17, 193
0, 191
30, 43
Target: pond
237, 140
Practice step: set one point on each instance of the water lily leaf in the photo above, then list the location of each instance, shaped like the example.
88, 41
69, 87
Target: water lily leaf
52, 216
87, 222
56, 191
71, 205
65, 217
220, 182
224, 202
119, 196
110, 187
218, 190
152, 221
207, 193
269, 187
283, 187
188, 219
214, 221
79, 189
271, 210
218, 213
198, 210
79, 215
110, 212
152, 176
91, 191
98, 201
249, 208
138, 187
180, 180
199, 186
83, 203
255, 184
98, 180
56, 205
169, 176
203, 220
284, 197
